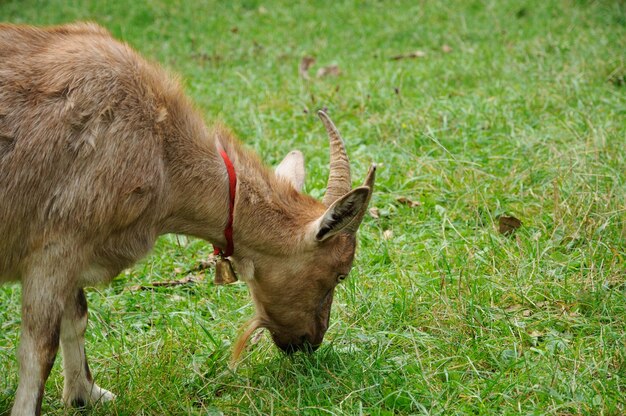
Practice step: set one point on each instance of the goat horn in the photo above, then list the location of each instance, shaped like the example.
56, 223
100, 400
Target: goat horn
369, 182
339, 182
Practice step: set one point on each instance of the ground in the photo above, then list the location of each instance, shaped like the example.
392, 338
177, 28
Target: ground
474, 111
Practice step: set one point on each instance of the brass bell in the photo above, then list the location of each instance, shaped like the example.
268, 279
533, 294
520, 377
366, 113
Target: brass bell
224, 272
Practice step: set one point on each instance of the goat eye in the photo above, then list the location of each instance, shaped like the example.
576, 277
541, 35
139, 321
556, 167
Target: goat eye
341, 277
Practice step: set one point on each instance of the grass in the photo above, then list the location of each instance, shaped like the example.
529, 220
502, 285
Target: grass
525, 116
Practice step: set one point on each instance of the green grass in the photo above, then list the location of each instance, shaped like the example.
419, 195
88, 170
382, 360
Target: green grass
526, 116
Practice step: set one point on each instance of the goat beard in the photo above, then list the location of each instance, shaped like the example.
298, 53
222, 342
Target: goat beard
251, 326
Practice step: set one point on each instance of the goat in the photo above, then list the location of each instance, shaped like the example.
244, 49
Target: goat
100, 153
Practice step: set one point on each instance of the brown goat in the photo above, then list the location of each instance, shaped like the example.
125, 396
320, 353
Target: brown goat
100, 153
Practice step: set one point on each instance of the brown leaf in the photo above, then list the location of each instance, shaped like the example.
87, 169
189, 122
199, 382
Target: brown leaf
331, 70
446, 48
508, 225
412, 55
374, 212
514, 308
305, 64
407, 201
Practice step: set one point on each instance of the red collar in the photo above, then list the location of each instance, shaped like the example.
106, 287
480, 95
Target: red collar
232, 187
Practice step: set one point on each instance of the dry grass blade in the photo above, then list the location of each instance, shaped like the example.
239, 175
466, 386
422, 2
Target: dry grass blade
188, 280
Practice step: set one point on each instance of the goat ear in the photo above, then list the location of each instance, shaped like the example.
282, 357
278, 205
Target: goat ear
292, 169
341, 213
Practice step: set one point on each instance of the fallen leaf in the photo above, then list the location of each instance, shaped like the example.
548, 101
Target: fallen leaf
446, 48
331, 70
234, 29
536, 334
514, 308
407, 201
412, 55
508, 225
387, 234
374, 212
305, 64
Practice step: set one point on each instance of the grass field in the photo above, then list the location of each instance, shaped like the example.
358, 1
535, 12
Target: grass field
513, 108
